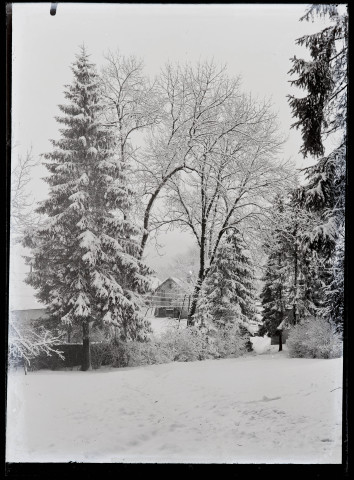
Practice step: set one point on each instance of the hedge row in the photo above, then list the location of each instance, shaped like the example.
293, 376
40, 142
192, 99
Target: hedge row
174, 345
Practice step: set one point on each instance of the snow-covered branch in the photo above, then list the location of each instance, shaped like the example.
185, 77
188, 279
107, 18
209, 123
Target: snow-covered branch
27, 343
22, 214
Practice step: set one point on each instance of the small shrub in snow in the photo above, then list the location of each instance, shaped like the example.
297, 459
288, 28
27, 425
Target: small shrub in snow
228, 343
101, 354
314, 338
144, 353
120, 354
184, 345
174, 345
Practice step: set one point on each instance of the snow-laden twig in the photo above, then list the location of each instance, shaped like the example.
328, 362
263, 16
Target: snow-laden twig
335, 389
28, 344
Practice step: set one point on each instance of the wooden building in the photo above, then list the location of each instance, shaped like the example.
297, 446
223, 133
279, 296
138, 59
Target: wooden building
171, 299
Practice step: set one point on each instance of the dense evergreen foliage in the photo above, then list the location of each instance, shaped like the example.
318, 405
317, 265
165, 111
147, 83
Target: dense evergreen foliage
321, 114
293, 278
228, 293
86, 265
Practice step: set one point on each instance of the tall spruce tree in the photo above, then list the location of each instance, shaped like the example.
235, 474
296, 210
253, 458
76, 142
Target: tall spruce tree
293, 273
273, 295
86, 266
303, 286
323, 113
228, 295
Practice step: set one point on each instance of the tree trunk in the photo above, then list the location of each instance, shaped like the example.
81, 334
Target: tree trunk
150, 205
86, 348
280, 340
295, 281
190, 320
198, 286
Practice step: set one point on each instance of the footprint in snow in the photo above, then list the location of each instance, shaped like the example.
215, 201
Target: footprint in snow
266, 399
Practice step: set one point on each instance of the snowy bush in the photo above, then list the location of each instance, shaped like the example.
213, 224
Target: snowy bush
174, 345
185, 345
134, 354
101, 354
120, 354
146, 353
228, 343
117, 353
314, 338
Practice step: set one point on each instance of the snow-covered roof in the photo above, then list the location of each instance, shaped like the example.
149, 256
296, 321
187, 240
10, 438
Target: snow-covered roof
179, 282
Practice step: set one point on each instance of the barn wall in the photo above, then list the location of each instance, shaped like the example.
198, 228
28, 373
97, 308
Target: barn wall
167, 306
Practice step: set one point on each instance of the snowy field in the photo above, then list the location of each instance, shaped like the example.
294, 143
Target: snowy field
255, 409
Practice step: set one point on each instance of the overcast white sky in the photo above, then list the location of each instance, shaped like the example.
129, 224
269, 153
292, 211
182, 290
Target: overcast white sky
256, 41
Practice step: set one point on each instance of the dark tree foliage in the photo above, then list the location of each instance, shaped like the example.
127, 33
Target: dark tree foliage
273, 295
228, 292
293, 276
324, 77
323, 113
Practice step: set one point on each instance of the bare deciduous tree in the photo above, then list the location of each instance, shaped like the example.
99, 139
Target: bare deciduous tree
233, 172
192, 103
22, 214
184, 266
130, 105
209, 159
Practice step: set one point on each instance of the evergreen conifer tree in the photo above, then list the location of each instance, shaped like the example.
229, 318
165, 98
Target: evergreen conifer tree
86, 266
228, 296
273, 295
321, 113
293, 273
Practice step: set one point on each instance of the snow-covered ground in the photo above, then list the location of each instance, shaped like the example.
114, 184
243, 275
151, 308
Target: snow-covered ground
255, 409
160, 324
